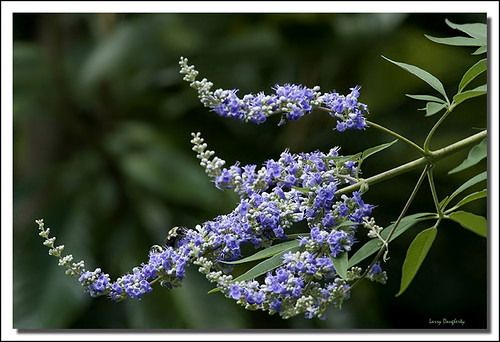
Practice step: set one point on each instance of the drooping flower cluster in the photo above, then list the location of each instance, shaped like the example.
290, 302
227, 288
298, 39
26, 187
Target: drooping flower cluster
294, 188
303, 276
290, 100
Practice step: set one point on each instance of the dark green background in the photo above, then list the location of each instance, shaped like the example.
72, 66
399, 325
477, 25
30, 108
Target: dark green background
102, 123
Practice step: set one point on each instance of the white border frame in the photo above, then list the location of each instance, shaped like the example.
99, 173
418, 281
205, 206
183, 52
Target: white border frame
8, 8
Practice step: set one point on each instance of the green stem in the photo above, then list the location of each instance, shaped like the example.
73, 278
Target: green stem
386, 130
430, 176
400, 137
407, 205
431, 133
348, 177
401, 215
433, 158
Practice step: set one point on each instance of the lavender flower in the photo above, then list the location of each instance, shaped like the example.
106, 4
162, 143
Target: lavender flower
292, 101
377, 274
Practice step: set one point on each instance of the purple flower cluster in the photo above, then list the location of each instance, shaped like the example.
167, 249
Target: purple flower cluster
282, 192
348, 111
288, 289
273, 197
165, 263
97, 282
294, 188
293, 101
336, 240
290, 100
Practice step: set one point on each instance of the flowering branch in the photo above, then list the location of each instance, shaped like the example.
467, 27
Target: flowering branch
292, 101
303, 275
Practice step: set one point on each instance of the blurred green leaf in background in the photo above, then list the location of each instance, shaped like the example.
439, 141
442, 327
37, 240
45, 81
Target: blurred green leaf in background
102, 123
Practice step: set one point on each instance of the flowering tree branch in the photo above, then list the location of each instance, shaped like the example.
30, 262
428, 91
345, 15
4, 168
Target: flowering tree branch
301, 273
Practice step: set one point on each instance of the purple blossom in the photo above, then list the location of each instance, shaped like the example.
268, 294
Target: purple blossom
376, 268
223, 178
235, 291
276, 305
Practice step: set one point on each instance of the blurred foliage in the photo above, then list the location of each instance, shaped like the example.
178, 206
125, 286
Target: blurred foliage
102, 123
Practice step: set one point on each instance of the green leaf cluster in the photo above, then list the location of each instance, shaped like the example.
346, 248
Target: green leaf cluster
478, 33
422, 243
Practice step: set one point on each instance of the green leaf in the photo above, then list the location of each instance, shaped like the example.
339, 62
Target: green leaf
415, 256
266, 253
461, 97
375, 149
473, 181
373, 245
302, 190
347, 223
456, 41
481, 50
476, 154
215, 289
261, 268
340, 262
432, 108
423, 75
426, 98
343, 158
472, 73
469, 198
443, 201
476, 30
472, 222
265, 266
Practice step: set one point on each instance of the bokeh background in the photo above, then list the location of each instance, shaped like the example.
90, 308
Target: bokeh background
102, 123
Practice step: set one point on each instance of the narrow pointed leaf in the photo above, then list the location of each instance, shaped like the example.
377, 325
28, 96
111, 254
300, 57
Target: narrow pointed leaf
442, 203
426, 98
476, 30
343, 158
472, 73
457, 41
473, 181
459, 98
481, 50
469, 198
261, 268
347, 223
373, 245
415, 256
265, 266
470, 221
302, 190
265, 253
476, 154
341, 264
433, 108
216, 289
423, 75
375, 149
